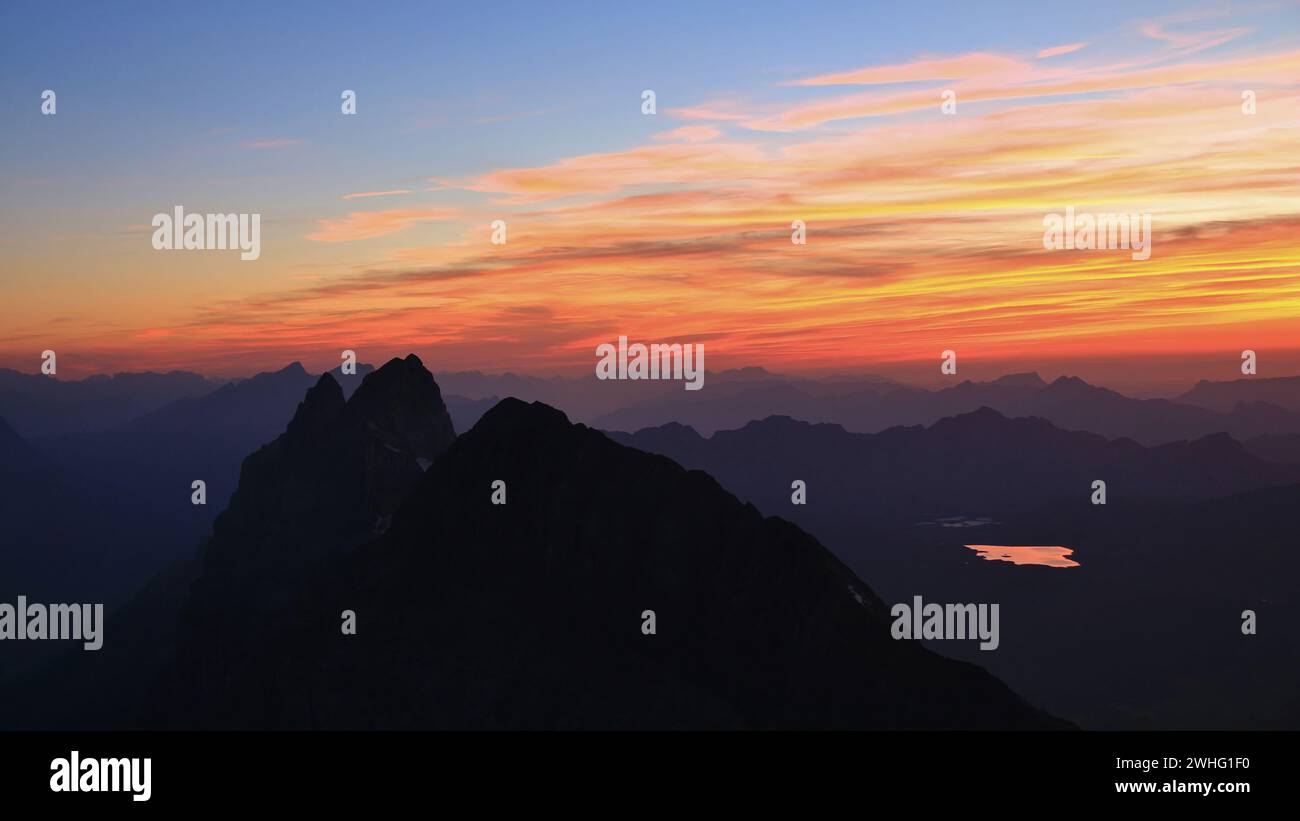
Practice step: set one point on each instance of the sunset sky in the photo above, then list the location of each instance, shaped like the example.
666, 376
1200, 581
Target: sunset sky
924, 230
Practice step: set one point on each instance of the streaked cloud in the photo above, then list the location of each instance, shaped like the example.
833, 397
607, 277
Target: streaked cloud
370, 224
690, 134
363, 194
1057, 51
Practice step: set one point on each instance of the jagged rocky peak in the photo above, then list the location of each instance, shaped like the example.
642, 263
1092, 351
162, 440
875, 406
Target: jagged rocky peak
401, 404
333, 478
319, 410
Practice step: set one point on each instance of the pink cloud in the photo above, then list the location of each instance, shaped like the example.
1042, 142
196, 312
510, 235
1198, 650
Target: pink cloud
1193, 40
1057, 51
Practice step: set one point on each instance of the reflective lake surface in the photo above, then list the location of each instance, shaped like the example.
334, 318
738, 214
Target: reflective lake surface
1029, 554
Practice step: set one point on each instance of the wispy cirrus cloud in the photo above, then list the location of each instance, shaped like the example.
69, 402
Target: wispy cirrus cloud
364, 194
1057, 51
370, 224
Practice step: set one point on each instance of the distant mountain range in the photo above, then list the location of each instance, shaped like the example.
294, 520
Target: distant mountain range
40, 405
128, 486
974, 463
1282, 392
1244, 408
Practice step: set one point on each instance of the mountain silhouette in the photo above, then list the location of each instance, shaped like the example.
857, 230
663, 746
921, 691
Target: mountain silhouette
1275, 447
979, 462
143, 470
41, 405
529, 614
870, 407
1282, 391
336, 474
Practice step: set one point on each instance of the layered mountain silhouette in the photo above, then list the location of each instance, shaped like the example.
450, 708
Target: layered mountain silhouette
525, 614
978, 462
41, 405
1281, 392
529, 614
139, 474
873, 404
60, 534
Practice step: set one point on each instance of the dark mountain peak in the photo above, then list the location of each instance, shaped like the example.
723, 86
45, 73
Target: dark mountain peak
776, 420
319, 409
674, 429
1219, 444
397, 375
1029, 379
292, 373
401, 404
981, 417
513, 416
673, 437
1063, 381
987, 427
337, 473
